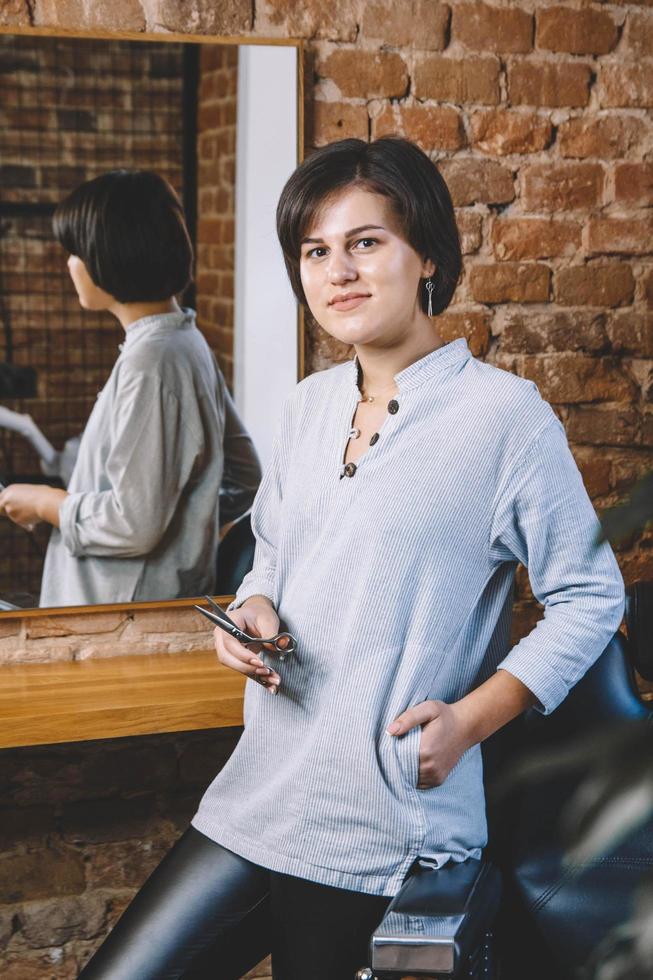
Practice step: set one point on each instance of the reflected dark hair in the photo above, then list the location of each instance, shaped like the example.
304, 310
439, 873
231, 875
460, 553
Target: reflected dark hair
128, 228
394, 168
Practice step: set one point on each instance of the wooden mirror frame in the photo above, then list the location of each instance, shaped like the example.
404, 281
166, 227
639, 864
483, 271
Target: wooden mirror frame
36, 611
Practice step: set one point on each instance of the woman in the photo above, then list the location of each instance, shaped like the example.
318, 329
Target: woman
164, 457
405, 487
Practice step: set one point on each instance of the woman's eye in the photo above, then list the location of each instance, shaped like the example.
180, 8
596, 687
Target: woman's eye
315, 253
365, 242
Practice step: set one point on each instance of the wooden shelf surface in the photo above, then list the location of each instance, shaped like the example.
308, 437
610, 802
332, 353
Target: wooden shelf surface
115, 696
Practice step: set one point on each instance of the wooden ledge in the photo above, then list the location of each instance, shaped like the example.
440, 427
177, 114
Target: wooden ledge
108, 698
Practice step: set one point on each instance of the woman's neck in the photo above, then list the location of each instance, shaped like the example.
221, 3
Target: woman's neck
379, 366
128, 313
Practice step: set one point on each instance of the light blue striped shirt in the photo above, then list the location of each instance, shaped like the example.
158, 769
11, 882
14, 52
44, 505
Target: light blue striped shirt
397, 583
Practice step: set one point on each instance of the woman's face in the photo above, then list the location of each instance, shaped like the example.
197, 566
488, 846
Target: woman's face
91, 297
360, 276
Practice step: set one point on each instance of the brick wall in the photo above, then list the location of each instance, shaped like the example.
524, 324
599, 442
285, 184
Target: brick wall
81, 826
539, 114
539, 117
216, 151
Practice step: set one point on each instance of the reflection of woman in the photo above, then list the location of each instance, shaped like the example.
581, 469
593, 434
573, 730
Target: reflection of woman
163, 457
405, 487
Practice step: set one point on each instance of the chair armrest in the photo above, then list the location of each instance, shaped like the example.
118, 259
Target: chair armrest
437, 919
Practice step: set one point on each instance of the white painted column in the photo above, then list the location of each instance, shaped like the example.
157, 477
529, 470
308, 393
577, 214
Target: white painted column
265, 316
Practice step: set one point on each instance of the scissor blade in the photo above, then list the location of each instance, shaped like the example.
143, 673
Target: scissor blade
212, 616
219, 611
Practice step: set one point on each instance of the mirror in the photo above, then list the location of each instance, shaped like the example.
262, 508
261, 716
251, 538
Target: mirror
221, 121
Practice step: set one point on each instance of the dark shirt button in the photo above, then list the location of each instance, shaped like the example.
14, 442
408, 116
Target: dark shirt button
374, 439
350, 469
393, 407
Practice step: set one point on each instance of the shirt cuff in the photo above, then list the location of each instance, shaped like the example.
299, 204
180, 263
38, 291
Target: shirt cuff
540, 678
68, 515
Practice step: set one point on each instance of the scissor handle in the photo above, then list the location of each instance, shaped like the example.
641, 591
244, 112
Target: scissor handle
290, 646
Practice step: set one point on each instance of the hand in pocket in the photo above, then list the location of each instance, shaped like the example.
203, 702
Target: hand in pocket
442, 742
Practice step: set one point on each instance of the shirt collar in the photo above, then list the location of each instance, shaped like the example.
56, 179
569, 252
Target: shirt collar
158, 323
445, 358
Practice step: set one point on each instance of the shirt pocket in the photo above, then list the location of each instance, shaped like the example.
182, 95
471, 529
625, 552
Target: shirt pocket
407, 747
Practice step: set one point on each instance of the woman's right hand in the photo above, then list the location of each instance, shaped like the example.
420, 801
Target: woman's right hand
257, 617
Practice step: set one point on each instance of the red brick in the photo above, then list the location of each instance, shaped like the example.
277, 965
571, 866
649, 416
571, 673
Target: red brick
596, 471
210, 230
647, 429
472, 181
205, 16
459, 80
576, 31
419, 23
562, 186
637, 566
45, 874
626, 84
648, 289
63, 13
628, 467
550, 83
335, 21
510, 282
431, 127
482, 27
338, 120
534, 238
639, 33
605, 136
613, 236
15, 13
473, 325
470, 228
609, 284
501, 131
541, 333
365, 75
633, 184
574, 378
631, 332
39, 965
599, 425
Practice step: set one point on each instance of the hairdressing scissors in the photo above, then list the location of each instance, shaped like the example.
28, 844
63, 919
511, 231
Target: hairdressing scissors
218, 616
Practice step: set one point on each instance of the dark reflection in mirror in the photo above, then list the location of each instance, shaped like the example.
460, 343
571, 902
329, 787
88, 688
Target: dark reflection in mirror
70, 110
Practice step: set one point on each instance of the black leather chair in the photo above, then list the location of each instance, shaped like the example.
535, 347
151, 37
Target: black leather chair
519, 913
235, 556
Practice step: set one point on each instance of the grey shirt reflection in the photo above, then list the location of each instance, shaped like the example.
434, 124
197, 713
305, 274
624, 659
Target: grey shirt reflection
164, 460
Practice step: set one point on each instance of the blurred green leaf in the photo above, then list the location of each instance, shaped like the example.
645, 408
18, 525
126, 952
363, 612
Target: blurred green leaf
619, 522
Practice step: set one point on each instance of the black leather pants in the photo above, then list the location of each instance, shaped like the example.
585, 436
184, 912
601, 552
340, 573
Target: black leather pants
207, 914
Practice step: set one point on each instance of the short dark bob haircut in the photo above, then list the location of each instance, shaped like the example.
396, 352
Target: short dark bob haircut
394, 168
128, 228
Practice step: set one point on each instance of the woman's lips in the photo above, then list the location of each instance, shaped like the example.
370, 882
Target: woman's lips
348, 304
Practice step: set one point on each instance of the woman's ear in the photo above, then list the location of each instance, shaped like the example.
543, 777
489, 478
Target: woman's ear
428, 268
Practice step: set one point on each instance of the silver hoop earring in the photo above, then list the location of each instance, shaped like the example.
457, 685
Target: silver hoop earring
430, 286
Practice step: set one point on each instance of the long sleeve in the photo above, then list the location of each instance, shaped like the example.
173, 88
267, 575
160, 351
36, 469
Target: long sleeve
242, 470
266, 520
151, 457
545, 520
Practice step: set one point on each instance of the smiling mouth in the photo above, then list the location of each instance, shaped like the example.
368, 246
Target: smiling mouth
348, 302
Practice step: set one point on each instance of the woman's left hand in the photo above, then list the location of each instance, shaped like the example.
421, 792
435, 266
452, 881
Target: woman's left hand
26, 504
444, 739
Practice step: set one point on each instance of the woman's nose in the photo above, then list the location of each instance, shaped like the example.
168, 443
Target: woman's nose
341, 267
